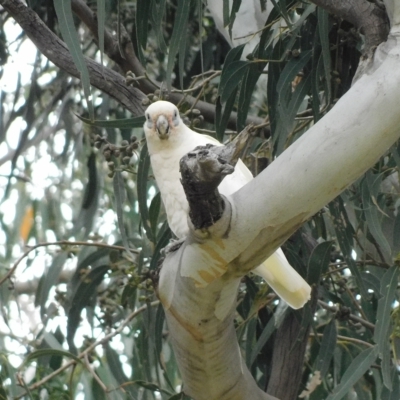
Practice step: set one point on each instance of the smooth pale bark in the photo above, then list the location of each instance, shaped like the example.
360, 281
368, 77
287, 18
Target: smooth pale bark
315, 169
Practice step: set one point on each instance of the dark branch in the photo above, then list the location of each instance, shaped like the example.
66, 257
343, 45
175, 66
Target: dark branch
129, 62
202, 170
105, 79
289, 351
370, 18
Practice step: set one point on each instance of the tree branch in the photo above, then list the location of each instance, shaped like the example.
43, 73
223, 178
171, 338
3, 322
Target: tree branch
104, 79
129, 62
289, 350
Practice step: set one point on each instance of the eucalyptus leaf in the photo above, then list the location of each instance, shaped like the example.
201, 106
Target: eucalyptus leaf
70, 36
359, 366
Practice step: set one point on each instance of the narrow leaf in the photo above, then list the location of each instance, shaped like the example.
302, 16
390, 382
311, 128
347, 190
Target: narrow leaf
323, 30
157, 16
354, 372
70, 36
143, 8
394, 393
369, 191
388, 290
272, 324
81, 299
163, 239
231, 77
120, 195
127, 123
327, 348
101, 22
48, 280
51, 352
181, 18
142, 177
318, 262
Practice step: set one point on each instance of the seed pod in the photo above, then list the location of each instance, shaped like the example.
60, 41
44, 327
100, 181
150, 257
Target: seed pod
107, 154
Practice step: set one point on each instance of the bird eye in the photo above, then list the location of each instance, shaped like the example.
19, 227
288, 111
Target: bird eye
175, 114
148, 117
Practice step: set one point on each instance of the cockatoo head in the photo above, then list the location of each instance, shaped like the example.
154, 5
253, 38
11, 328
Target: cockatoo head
162, 122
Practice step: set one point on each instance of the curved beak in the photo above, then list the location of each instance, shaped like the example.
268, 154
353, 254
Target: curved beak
162, 127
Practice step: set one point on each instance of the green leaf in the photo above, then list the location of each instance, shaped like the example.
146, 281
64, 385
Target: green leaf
235, 8
51, 352
323, 30
272, 324
291, 70
3, 394
70, 36
385, 305
142, 177
231, 77
225, 12
250, 339
163, 238
154, 212
234, 54
101, 22
48, 280
386, 364
222, 115
85, 218
126, 123
344, 233
394, 393
327, 348
369, 191
157, 16
247, 87
318, 262
282, 8
354, 372
94, 259
143, 8
82, 296
120, 195
179, 29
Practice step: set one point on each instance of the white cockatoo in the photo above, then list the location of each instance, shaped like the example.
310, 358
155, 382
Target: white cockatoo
168, 140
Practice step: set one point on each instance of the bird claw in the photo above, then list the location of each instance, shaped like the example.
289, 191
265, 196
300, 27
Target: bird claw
173, 245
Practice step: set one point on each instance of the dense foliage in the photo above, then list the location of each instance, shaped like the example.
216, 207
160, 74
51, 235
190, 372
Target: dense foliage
82, 225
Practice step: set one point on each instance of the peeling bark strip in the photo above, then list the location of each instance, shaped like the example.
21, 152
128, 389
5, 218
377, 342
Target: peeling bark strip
104, 79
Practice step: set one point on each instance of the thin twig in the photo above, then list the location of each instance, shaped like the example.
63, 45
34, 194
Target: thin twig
93, 373
91, 347
346, 338
352, 317
60, 243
